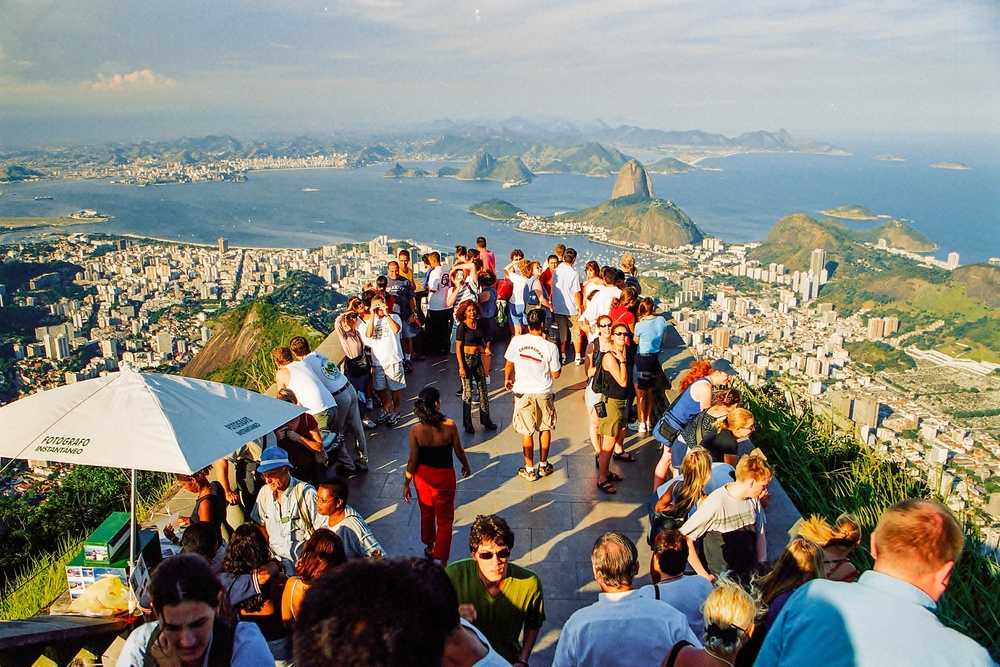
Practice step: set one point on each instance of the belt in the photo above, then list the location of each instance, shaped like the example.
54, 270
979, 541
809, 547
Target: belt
341, 390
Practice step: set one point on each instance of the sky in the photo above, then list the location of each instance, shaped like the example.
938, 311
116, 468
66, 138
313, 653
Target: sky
101, 69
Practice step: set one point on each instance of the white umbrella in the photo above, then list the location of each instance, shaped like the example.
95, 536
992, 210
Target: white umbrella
139, 421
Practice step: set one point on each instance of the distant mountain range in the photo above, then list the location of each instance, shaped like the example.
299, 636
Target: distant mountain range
593, 149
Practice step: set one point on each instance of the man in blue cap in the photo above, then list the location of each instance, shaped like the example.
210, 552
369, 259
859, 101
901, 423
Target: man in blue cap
285, 508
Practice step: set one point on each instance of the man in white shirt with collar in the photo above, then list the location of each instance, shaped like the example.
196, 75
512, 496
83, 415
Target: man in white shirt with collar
285, 508
567, 303
622, 627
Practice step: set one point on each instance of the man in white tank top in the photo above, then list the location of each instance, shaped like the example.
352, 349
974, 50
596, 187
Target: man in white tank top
310, 392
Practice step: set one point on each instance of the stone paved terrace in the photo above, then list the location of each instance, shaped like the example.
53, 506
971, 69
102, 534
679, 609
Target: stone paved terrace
555, 519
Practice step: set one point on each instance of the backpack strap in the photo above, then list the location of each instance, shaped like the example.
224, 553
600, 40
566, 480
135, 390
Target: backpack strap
147, 659
303, 516
656, 591
699, 434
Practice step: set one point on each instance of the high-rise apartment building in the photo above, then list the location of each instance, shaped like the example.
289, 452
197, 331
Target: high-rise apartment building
223, 245
952, 260
876, 328
817, 262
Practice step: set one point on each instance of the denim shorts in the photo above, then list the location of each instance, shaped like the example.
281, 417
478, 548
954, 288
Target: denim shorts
517, 314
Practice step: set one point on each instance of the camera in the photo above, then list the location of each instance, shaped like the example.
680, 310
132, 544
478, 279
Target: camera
602, 410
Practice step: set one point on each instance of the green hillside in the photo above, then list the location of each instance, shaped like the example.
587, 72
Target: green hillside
591, 159
637, 219
400, 171
897, 235
496, 209
967, 299
669, 165
879, 356
14, 172
851, 213
485, 167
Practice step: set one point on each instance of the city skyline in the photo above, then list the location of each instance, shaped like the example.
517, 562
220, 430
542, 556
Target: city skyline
88, 71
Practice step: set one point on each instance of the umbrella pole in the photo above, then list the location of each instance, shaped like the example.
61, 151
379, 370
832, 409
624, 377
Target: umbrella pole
131, 548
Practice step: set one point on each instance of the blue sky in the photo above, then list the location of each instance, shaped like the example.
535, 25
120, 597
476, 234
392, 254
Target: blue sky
183, 67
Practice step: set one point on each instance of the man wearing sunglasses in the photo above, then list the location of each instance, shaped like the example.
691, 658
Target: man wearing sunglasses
501, 599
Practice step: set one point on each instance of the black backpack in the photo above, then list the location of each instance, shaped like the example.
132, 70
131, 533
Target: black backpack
599, 383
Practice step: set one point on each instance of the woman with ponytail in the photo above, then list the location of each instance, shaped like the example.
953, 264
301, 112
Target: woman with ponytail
695, 396
729, 431
729, 614
838, 541
432, 470
703, 425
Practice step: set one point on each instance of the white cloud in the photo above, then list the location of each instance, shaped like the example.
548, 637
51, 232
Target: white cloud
145, 79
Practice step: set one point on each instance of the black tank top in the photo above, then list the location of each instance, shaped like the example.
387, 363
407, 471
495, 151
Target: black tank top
435, 457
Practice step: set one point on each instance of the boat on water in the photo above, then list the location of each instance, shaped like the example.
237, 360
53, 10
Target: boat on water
513, 184
310, 189
42, 198
432, 200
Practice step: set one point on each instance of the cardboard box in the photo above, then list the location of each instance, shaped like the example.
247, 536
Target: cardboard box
80, 574
109, 543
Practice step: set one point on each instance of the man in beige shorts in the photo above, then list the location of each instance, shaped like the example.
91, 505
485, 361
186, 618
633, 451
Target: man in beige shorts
532, 363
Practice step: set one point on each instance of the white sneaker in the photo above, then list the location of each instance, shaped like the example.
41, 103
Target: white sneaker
637, 426
579, 361
487, 379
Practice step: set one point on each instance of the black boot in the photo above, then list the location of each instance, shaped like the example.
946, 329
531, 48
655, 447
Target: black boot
467, 418
484, 419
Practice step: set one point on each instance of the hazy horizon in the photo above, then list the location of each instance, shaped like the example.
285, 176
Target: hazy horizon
94, 71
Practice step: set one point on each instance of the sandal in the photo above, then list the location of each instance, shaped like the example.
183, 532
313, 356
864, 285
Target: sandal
597, 460
624, 456
429, 553
615, 477
606, 486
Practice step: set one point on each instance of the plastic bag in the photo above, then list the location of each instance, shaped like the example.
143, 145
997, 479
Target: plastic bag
105, 597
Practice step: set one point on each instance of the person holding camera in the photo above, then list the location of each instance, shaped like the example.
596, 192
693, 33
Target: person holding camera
382, 334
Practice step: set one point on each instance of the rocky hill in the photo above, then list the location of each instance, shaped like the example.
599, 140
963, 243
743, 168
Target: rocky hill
982, 282
590, 159
632, 180
638, 219
485, 167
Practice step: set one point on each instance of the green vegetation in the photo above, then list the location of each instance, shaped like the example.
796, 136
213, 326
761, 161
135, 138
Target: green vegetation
496, 209
448, 171
897, 235
308, 294
506, 170
879, 356
638, 219
827, 473
36, 521
14, 172
591, 159
972, 414
977, 339
267, 326
659, 288
850, 213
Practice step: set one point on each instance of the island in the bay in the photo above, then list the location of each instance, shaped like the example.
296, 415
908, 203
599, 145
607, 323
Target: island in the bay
850, 213
889, 157
956, 166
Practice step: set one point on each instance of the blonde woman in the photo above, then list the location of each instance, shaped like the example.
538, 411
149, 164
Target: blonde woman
728, 614
838, 541
678, 498
730, 430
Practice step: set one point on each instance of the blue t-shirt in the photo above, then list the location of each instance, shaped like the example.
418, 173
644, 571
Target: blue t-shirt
649, 333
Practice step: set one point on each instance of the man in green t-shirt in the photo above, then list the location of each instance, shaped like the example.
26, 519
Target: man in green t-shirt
498, 597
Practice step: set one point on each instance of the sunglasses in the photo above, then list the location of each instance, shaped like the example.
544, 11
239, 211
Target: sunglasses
620, 333
604, 326
503, 554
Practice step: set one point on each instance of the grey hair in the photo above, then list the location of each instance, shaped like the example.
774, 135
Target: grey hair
614, 558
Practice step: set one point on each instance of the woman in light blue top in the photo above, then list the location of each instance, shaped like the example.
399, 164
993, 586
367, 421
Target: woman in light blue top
188, 631
649, 332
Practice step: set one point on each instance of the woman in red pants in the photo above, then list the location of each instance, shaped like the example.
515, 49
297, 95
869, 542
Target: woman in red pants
432, 470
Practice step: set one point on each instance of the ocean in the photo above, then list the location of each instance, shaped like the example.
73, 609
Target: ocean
958, 210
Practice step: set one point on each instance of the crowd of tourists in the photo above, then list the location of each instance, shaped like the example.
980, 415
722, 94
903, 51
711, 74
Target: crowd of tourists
298, 577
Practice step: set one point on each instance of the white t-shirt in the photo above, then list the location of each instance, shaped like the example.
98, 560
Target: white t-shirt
565, 287
385, 345
535, 360
520, 283
491, 659
309, 391
438, 285
327, 373
600, 304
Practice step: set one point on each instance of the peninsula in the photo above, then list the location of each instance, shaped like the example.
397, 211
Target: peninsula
497, 209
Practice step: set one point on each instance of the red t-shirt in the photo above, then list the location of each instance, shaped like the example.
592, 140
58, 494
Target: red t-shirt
546, 280
621, 315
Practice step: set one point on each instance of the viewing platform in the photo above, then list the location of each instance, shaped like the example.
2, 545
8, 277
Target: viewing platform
555, 519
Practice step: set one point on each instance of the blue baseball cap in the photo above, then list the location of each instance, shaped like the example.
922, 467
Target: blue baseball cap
273, 458
724, 366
